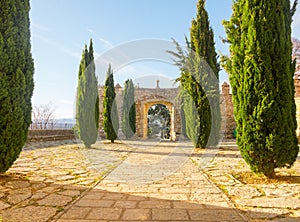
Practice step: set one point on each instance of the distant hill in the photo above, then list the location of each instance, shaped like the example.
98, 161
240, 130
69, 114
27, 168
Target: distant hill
64, 123
66, 120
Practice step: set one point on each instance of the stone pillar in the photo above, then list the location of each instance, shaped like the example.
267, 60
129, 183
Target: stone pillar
297, 85
172, 130
228, 123
225, 88
297, 101
145, 120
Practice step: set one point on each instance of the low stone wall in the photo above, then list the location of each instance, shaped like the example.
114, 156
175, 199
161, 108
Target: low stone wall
50, 135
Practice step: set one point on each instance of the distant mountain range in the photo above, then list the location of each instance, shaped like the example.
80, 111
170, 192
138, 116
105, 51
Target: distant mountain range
66, 120
60, 123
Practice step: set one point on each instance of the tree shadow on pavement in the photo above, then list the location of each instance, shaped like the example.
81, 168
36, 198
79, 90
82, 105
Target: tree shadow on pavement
24, 200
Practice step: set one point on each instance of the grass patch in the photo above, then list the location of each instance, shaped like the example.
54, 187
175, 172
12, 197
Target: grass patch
59, 209
252, 178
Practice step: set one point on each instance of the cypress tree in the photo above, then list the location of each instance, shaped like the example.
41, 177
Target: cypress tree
199, 78
129, 110
91, 65
97, 112
183, 120
16, 79
87, 107
261, 76
110, 111
191, 118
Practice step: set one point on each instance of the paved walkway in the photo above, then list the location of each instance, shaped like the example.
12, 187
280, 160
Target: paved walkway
276, 200
142, 181
47, 177
157, 182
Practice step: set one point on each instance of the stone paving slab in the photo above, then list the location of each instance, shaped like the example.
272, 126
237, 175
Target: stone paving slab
143, 181
277, 201
139, 190
47, 177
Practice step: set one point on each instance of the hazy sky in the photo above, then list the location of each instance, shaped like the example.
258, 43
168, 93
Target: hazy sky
60, 28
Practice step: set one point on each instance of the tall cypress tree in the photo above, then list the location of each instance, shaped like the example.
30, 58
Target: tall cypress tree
129, 110
87, 107
192, 120
261, 76
91, 65
199, 78
110, 111
16, 79
202, 44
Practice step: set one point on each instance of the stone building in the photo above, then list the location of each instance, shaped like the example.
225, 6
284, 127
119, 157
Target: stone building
227, 112
147, 97
296, 55
228, 124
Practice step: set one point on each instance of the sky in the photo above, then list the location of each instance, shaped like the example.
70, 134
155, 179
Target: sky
132, 35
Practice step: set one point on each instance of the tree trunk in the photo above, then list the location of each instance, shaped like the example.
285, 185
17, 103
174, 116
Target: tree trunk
270, 175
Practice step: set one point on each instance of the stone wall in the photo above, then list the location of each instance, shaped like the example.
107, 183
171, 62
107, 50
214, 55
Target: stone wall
297, 101
50, 135
228, 124
144, 97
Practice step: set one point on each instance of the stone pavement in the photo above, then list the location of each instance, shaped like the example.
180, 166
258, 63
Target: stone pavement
157, 182
260, 200
43, 181
142, 181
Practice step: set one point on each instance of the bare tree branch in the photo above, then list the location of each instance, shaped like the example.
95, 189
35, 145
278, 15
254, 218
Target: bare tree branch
296, 52
43, 116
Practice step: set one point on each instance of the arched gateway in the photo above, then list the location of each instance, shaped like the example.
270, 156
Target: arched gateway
143, 105
144, 99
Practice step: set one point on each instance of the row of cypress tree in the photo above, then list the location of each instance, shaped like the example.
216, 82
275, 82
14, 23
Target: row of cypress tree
260, 69
110, 110
261, 74
87, 106
16, 81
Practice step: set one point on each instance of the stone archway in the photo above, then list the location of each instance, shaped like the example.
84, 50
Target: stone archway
145, 98
143, 105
